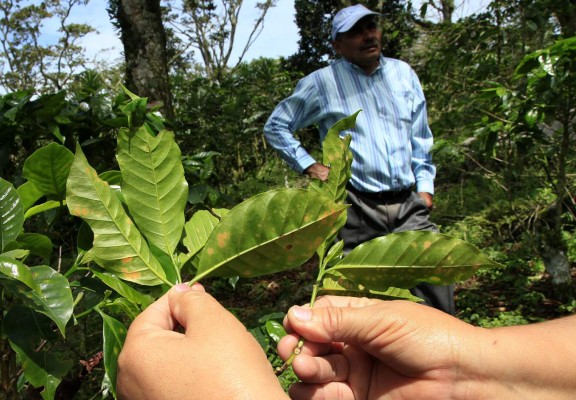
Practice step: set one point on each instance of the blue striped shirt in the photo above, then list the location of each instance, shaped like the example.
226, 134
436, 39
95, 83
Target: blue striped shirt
391, 140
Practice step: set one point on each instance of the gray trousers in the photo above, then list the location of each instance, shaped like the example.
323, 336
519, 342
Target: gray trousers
377, 214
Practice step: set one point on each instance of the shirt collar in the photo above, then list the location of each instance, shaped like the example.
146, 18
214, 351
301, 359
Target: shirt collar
356, 68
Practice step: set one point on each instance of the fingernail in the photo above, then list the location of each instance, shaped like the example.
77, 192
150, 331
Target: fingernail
182, 287
198, 287
302, 313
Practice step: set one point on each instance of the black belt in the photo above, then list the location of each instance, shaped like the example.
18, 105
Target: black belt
385, 195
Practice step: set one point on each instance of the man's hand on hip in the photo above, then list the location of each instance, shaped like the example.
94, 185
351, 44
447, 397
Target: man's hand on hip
427, 197
317, 171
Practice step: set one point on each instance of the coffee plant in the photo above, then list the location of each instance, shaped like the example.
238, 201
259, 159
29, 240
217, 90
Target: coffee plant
135, 241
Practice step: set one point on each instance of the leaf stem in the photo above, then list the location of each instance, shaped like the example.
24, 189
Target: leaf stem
315, 289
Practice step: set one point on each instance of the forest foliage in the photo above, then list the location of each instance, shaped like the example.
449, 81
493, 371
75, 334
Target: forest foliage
500, 87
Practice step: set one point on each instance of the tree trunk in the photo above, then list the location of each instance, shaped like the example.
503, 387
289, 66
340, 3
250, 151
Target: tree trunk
565, 13
554, 252
144, 41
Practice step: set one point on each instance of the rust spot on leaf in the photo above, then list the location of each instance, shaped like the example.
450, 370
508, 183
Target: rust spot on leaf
132, 275
288, 247
80, 211
210, 251
127, 260
222, 239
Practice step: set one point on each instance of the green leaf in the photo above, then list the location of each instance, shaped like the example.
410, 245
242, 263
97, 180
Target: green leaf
38, 244
336, 284
135, 112
154, 186
15, 270
501, 91
114, 334
198, 229
337, 155
40, 208
275, 330
407, 258
112, 177
271, 232
547, 63
42, 366
13, 251
335, 252
29, 194
118, 246
11, 213
84, 242
123, 289
48, 293
47, 168
121, 306
170, 265
55, 299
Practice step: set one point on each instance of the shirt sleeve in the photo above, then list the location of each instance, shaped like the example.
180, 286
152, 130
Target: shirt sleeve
422, 141
299, 110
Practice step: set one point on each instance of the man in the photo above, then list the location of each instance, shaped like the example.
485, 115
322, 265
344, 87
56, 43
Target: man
390, 143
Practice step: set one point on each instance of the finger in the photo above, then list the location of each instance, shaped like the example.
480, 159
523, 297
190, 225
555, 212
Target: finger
289, 342
330, 368
332, 391
344, 301
335, 301
156, 317
337, 324
195, 307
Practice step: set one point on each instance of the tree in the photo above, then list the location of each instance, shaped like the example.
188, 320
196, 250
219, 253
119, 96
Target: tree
27, 63
502, 133
444, 8
546, 118
209, 27
565, 13
314, 20
228, 116
144, 39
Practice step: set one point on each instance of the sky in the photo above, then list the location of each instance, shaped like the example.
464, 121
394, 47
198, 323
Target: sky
278, 38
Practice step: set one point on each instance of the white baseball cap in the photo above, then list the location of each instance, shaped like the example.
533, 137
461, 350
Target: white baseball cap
347, 17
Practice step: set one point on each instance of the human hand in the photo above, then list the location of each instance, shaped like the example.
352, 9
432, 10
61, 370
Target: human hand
428, 199
214, 358
369, 349
318, 171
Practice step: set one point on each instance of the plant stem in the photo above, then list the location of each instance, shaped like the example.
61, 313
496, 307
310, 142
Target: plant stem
300, 343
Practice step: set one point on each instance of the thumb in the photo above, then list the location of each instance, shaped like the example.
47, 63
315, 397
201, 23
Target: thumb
192, 306
354, 325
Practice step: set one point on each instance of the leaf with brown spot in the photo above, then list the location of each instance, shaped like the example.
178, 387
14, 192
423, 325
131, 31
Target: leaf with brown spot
336, 284
118, 246
407, 258
271, 232
336, 154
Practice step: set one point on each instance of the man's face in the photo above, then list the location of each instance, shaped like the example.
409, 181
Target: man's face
361, 44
